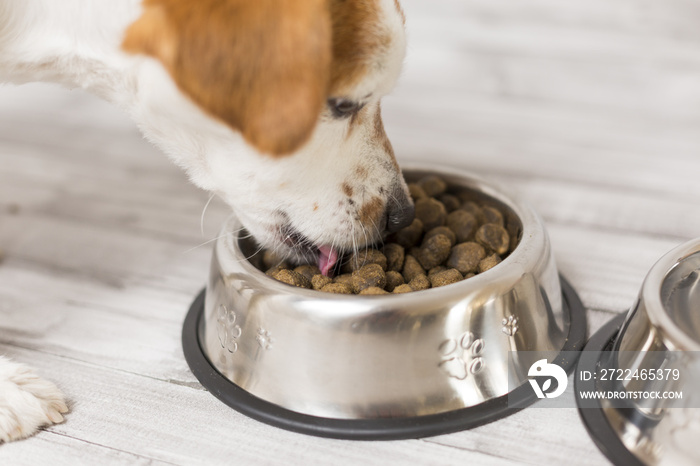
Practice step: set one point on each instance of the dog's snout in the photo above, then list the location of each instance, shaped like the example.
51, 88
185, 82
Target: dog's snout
399, 212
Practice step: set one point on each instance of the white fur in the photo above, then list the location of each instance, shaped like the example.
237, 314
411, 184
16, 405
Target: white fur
76, 43
27, 401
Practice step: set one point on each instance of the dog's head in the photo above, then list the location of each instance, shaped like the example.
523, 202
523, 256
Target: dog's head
275, 106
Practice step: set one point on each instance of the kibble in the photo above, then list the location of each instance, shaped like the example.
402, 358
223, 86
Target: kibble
411, 268
271, 259
274, 270
393, 279
308, 271
433, 185
453, 237
373, 290
492, 215
435, 270
402, 289
345, 279
416, 191
441, 231
446, 277
494, 237
414, 251
290, 277
474, 209
451, 202
319, 281
368, 276
463, 225
409, 236
431, 213
395, 254
364, 257
465, 257
489, 262
338, 288
434, 251
420, 282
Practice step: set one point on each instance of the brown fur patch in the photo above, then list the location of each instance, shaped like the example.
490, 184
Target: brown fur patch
152, 34
361, 172
263, 67
381, 136
357, 120
400, 10
371, 211
347, 189
358, 39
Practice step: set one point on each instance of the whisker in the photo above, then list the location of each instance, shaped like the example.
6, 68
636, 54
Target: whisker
249, 235
232, 232
394, 198
204, 243
204, 211
355, 247
379, 234
364, 232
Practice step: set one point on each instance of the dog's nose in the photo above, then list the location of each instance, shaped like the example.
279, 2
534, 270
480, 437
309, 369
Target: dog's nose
399, 212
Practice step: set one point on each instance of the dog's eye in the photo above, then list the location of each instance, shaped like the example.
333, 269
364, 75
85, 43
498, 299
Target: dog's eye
343, 108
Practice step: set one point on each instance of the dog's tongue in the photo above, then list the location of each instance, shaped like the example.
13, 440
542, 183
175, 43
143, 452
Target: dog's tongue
327, 258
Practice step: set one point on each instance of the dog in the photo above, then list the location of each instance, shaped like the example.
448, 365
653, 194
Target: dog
272, 105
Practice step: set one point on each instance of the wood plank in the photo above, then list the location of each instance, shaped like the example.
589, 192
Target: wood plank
134, 329
592, 206
121, 197
600, 54
62, 450
606, 268
139, 416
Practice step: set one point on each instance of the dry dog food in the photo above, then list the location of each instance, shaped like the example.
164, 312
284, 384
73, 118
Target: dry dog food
453, 237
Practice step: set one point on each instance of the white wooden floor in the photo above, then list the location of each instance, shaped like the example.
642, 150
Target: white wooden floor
588, 109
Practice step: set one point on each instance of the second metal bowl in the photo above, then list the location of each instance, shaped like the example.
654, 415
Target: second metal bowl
647, 363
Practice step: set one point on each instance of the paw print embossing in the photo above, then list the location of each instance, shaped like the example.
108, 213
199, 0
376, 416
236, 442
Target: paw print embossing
462, 356
510, 325
227, 328
264, 338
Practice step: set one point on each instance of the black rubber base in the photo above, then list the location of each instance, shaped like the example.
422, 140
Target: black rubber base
594, 419
372, 429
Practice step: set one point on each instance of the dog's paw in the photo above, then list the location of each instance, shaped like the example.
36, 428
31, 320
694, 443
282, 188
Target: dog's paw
27, 401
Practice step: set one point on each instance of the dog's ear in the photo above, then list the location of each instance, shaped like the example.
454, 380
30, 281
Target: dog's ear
260, 66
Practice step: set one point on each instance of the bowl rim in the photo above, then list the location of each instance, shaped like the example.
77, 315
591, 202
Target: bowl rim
655, 309
521, 260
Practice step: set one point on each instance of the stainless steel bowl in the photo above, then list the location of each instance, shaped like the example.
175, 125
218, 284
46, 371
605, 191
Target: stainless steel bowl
661, 336
405, 356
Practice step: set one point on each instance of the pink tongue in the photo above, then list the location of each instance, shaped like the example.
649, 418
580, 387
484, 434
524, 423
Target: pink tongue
326, 259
